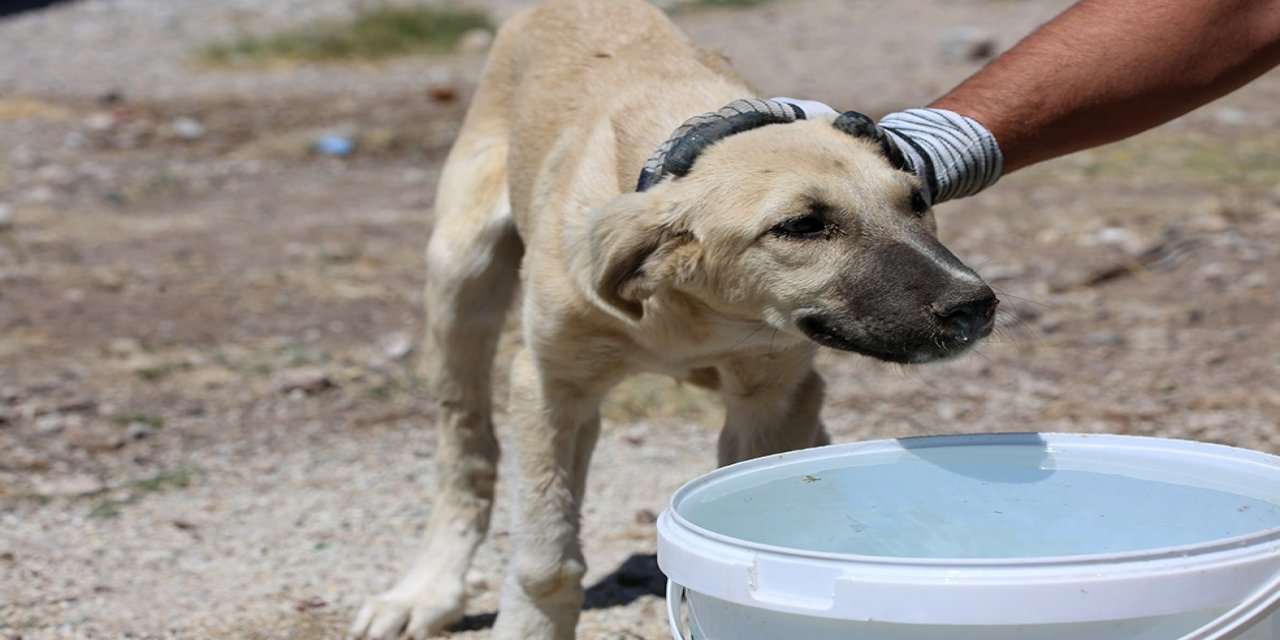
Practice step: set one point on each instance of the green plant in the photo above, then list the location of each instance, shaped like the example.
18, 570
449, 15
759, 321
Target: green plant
373, 34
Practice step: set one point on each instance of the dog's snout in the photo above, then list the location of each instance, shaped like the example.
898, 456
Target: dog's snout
967, 318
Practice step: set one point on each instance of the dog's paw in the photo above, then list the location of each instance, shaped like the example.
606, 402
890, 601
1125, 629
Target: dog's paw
399, 614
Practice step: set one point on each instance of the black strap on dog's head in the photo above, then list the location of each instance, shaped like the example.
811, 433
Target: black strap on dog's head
861, 126
676, 156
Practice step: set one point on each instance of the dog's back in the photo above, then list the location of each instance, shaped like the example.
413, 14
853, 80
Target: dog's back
619, 64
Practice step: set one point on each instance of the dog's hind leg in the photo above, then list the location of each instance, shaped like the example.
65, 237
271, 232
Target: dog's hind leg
473, 261
772, 405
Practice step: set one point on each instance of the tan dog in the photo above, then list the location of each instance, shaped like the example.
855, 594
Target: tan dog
774, 241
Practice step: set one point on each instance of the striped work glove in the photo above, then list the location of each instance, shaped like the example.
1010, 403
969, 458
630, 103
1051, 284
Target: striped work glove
953, 154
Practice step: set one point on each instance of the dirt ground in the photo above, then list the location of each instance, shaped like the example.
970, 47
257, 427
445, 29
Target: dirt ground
210, 420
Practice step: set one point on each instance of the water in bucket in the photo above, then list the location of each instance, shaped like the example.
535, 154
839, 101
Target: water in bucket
978, 538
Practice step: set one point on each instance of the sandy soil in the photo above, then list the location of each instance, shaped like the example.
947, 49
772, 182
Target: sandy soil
210, 420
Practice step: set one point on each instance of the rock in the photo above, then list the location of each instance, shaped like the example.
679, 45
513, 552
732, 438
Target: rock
6, 217
185, 128
1232, 116
54, 175
308, 380
1254, 280
94, 437
49, 424
124, 347
68, 486
100, 121
397, 346
139, 430
966, 44
475, 41
1104, 339
310, 604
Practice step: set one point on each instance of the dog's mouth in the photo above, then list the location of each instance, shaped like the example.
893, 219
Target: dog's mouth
909, 350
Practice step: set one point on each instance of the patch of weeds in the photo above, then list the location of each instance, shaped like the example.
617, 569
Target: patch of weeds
1242, 163
109, 501
159, 369
373, 34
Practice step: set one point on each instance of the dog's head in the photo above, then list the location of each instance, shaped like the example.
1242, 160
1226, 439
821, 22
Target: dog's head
812, 227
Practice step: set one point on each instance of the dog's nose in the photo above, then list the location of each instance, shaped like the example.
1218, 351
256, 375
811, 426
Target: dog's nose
968, 318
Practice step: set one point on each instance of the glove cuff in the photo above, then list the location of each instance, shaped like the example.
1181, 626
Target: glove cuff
954, 154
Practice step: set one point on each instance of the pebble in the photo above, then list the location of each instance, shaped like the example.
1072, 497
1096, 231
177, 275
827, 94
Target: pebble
187, 128
1232, 116
49, 424
475, 41
307, 380
966, 44
397, 346
1254, 280
67, 486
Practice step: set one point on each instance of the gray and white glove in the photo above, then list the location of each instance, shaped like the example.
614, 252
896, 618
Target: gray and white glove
954, 155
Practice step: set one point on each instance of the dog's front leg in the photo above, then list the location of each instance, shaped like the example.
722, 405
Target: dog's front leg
772, 405
556, 425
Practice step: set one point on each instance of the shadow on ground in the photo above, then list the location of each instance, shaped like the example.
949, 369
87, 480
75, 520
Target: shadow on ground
636, 577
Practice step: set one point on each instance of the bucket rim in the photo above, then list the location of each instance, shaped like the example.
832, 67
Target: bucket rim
1206, 550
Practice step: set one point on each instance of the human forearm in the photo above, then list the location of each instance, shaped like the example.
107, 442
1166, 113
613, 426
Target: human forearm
1107, 69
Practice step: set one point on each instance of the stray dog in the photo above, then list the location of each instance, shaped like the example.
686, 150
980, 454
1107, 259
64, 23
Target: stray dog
728, 271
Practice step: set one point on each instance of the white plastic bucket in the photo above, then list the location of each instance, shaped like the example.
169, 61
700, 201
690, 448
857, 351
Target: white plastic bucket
982, 537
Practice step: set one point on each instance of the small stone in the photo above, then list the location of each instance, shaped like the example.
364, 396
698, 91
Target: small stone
304, 380
67, 486
139, 430
49, 424
310, 604
475, 41
6, 216
1254, 280
54, 175
1232, 116
645, 516
186, 128
397, 346
124, 347
966, 44
100, 121
94, 437
1104, 339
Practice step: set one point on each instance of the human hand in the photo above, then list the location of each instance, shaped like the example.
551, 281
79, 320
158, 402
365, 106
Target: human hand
954, 155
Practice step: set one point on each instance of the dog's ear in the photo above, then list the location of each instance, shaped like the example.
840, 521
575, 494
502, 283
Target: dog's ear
634, 252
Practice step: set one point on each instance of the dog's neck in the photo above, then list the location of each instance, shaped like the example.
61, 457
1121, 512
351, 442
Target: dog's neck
644, 122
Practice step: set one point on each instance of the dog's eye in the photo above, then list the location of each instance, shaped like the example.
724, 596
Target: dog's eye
918, 203
802, 227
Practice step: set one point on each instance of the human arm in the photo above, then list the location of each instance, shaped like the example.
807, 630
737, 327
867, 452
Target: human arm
1104, 70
